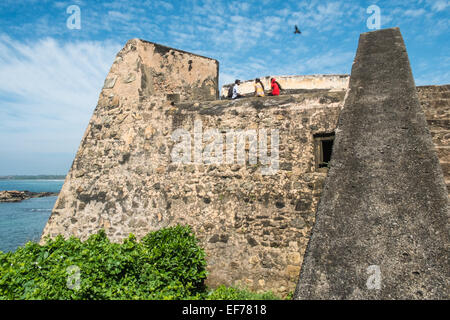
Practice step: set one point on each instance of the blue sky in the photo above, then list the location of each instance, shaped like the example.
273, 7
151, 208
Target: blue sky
51, 76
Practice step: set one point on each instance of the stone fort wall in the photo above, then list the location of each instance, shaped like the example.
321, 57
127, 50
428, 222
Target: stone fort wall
254, 226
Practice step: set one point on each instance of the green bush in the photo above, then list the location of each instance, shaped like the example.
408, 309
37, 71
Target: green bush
166, 264
231, 293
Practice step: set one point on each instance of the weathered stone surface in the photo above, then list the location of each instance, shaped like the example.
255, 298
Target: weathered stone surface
384, 202
123, 176
253, 227
435, 101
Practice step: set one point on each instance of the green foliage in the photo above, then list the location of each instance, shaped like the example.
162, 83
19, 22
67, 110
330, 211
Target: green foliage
231, 293
290, 296
166, 264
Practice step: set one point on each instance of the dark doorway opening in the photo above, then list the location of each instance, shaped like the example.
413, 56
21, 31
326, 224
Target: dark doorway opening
327, 148
323, 144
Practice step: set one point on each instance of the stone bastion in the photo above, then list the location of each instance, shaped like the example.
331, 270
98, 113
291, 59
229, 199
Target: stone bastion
161, 150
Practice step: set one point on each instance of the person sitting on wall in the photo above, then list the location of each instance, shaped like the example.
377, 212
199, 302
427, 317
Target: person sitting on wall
275, 87
259, 88
236, 93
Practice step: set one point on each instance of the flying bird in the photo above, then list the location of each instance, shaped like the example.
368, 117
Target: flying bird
297, 31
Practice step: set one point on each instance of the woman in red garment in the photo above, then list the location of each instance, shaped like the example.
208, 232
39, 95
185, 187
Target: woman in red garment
275, 87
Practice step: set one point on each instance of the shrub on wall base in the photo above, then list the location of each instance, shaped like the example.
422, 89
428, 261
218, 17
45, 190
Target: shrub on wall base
166, 264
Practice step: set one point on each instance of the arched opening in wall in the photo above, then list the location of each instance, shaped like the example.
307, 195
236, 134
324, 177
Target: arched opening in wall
323, 148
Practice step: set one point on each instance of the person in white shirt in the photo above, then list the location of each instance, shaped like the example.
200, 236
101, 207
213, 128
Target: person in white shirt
236, 94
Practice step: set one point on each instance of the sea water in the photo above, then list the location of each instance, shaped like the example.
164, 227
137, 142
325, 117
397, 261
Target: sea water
24, 221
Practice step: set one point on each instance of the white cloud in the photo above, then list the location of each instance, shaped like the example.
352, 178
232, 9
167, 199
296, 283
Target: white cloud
49, 91
440, 5
325, 17
119, 15
414, 12
165, 5
436, 78
226, 78
328, 62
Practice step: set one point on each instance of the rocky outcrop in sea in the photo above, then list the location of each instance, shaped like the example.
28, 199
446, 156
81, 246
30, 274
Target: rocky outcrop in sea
17, 196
